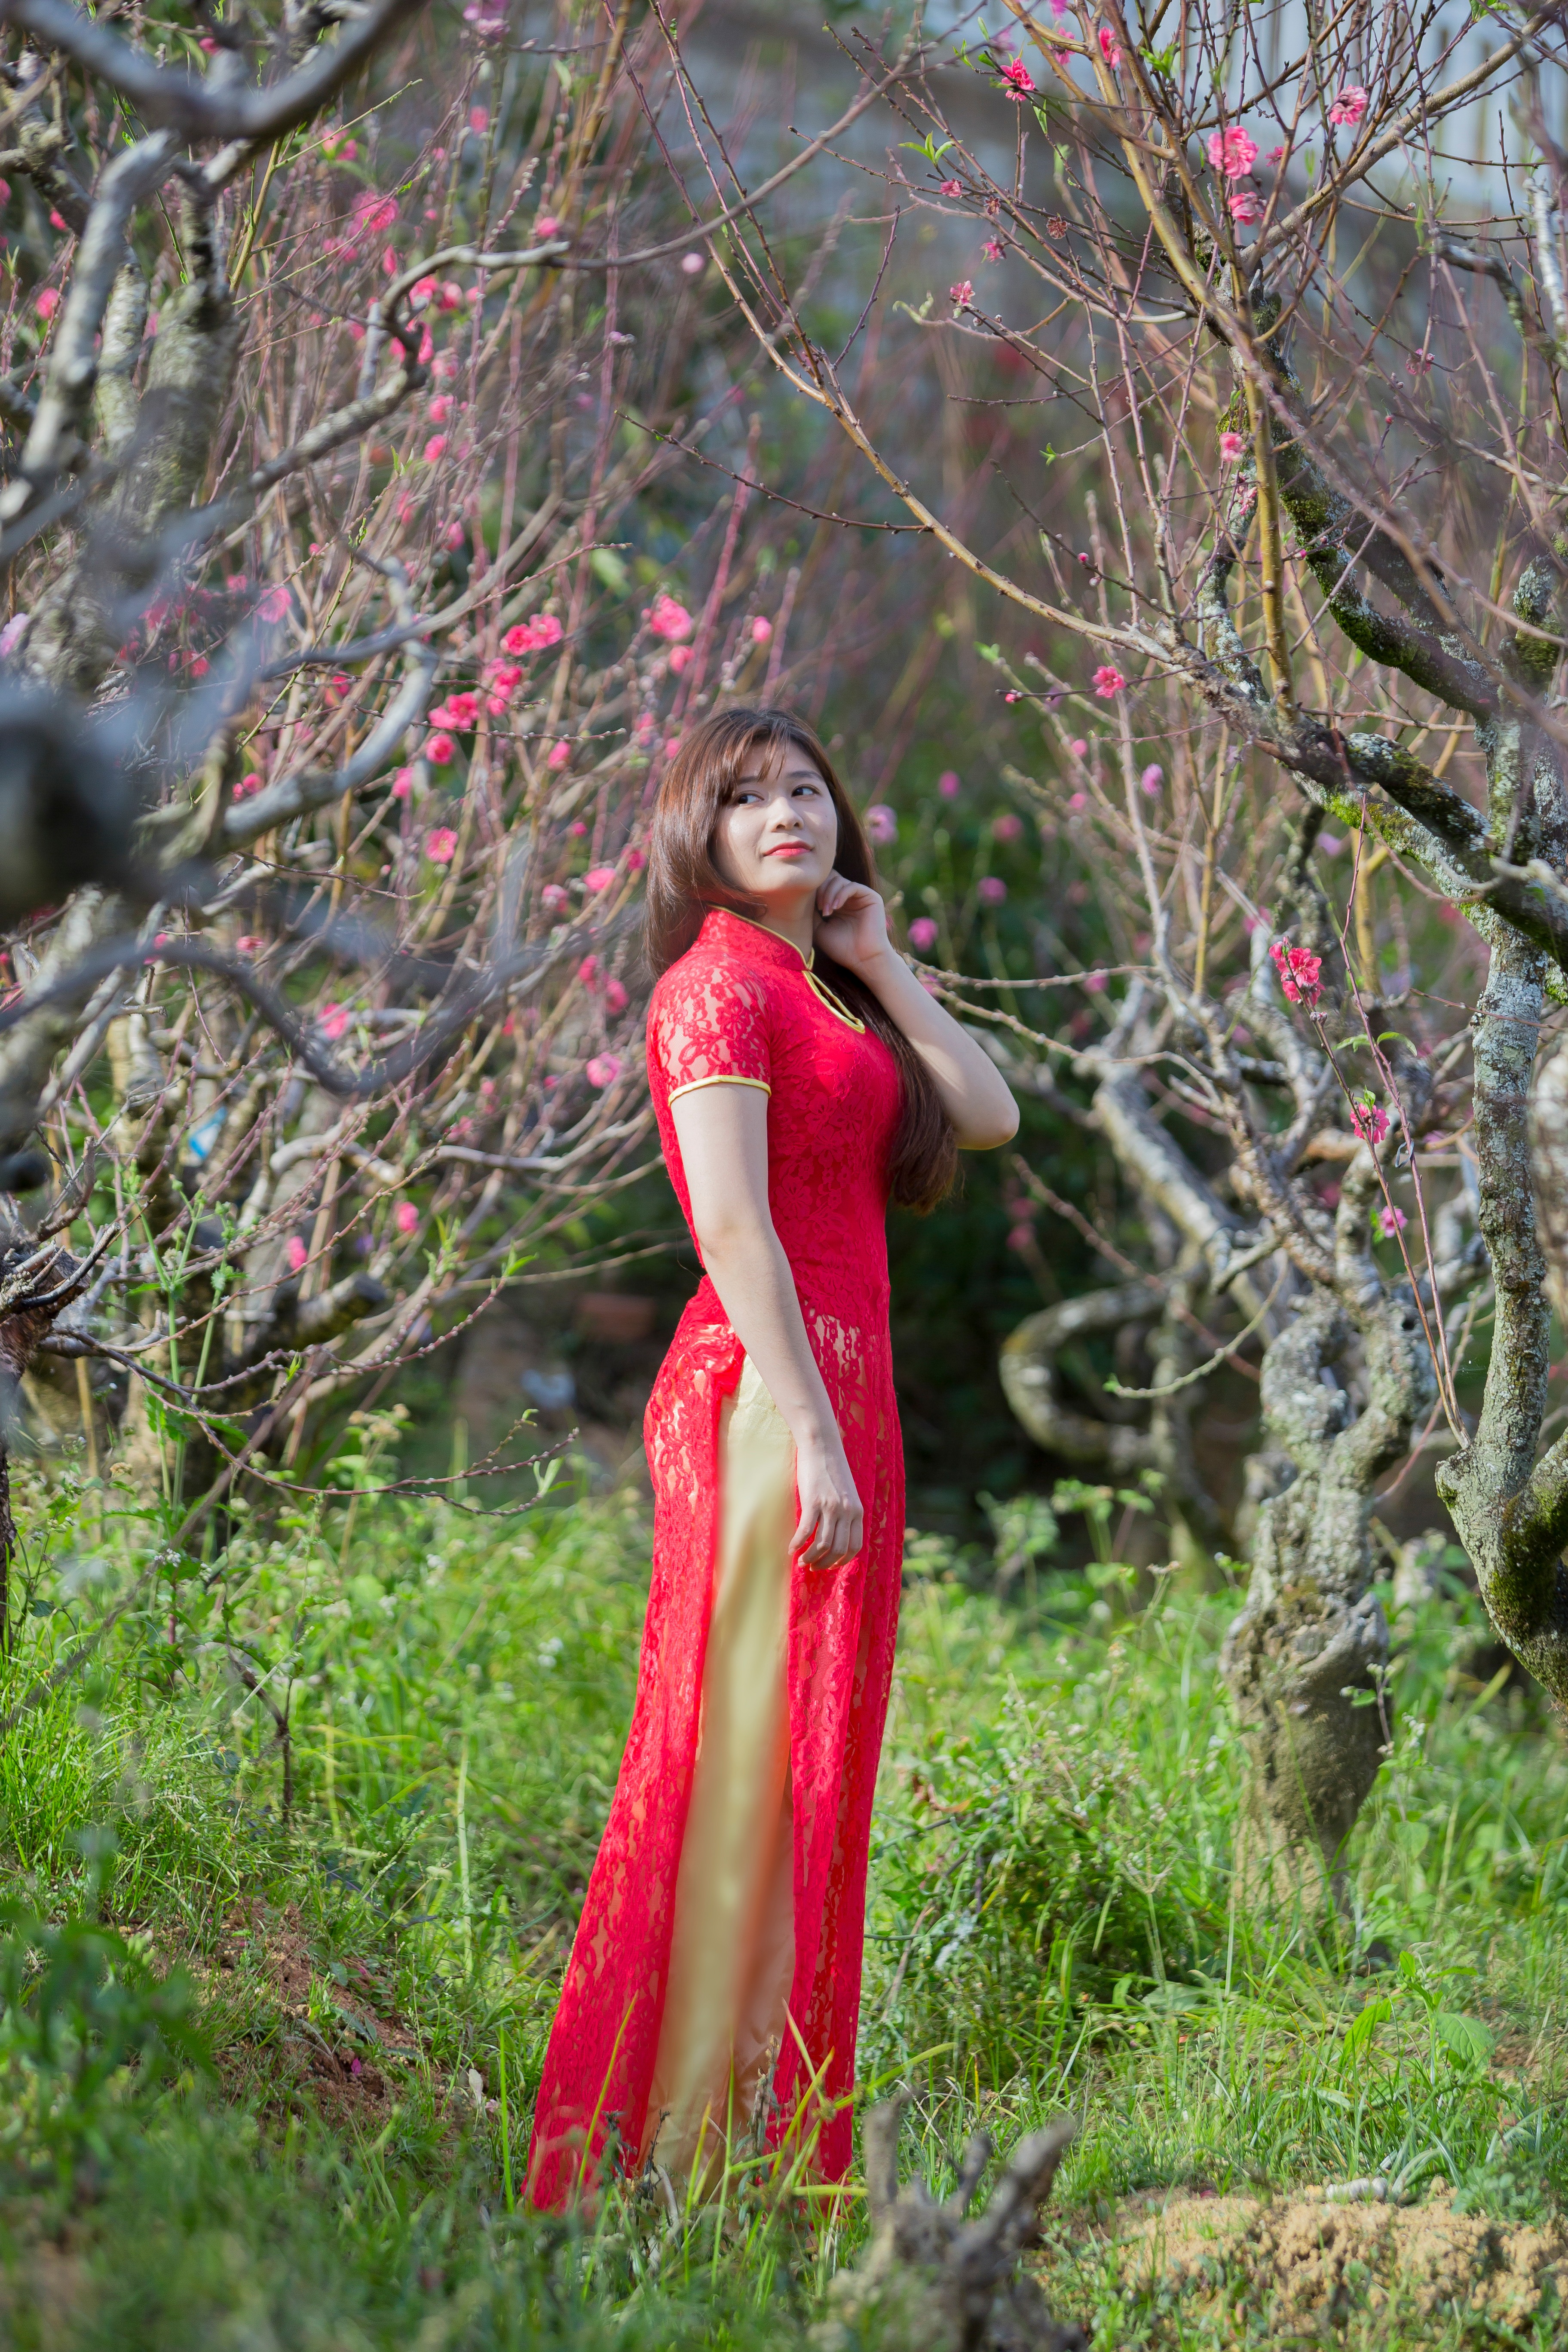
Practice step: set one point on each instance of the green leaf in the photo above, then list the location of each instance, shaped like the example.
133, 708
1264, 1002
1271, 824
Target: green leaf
1359, 2034
1467, 2041
607, 566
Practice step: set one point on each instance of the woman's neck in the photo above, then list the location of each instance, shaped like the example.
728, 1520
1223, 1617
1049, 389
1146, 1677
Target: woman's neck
795, 924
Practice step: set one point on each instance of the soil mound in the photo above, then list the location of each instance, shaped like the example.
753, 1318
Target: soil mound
1314, 2262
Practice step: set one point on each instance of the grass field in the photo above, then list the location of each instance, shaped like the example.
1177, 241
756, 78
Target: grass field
294, 1857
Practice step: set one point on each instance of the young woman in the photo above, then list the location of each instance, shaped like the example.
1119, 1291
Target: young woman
802, 1077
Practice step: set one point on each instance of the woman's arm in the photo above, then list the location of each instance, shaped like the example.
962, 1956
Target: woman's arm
722, 1131
852, 927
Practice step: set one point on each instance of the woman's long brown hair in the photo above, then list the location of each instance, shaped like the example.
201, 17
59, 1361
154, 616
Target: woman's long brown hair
684, 882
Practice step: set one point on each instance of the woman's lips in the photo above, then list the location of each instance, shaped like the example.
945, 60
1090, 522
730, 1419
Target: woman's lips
789, 849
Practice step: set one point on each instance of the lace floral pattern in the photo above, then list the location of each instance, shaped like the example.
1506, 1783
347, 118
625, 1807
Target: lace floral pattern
740, 1007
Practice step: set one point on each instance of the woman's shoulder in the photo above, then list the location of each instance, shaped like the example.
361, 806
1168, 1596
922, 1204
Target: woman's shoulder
713, 973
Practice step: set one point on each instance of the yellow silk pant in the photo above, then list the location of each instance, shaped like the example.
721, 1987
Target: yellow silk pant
732, 1948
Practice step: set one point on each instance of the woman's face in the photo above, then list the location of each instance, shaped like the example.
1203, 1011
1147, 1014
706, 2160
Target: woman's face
778, 831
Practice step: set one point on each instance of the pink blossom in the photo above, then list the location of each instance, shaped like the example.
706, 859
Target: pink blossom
1095, 983
881, 823
296, 1253
1331, 843
1153, 777
961, 295
577, 828
762, 630
1078, 746
248, 943
1392, 1219
56, 220
450, 297
1008, 827
948, 784
1245, 209
560, 755
435, 447
992, 889
246, 785
440, 750
671, 746
679, 655
588, 973
402, 783
479, 120
1017, 80
1232, 153
534, 636
555, 898
49, 302
334, 1020
460, 710
950, 187
419, 293
615, 996
1020, 1237
993, 249
405, 1217
598, 877
1232, 445
693, 263
1300, 973
1369, 1120
924, 933
439, 844
1109, 47
440, 408
1350, 105
274, 604
665, 618
1275, 155
602, 1070
636, 860
1108, 682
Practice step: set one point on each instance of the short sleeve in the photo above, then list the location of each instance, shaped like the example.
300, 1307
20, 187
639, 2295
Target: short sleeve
708, 1026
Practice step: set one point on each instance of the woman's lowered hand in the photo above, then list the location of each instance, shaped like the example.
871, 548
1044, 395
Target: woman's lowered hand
832, 1523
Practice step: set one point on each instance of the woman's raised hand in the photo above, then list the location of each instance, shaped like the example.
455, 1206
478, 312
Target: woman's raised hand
851, 924
832, 1522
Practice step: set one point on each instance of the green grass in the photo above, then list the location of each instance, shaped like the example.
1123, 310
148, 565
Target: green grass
1053, 1925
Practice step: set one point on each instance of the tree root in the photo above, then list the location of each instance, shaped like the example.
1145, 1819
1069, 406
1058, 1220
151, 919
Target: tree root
933, 2281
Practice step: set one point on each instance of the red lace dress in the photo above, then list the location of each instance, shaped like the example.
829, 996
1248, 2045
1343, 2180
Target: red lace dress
742, 1007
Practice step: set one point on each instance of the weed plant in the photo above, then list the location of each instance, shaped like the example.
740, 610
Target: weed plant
348, 1779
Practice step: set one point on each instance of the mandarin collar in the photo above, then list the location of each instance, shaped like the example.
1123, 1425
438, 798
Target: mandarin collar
754, 939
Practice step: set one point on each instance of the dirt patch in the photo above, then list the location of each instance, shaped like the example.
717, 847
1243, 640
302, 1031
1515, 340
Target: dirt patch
1309, 2261
351, 2057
